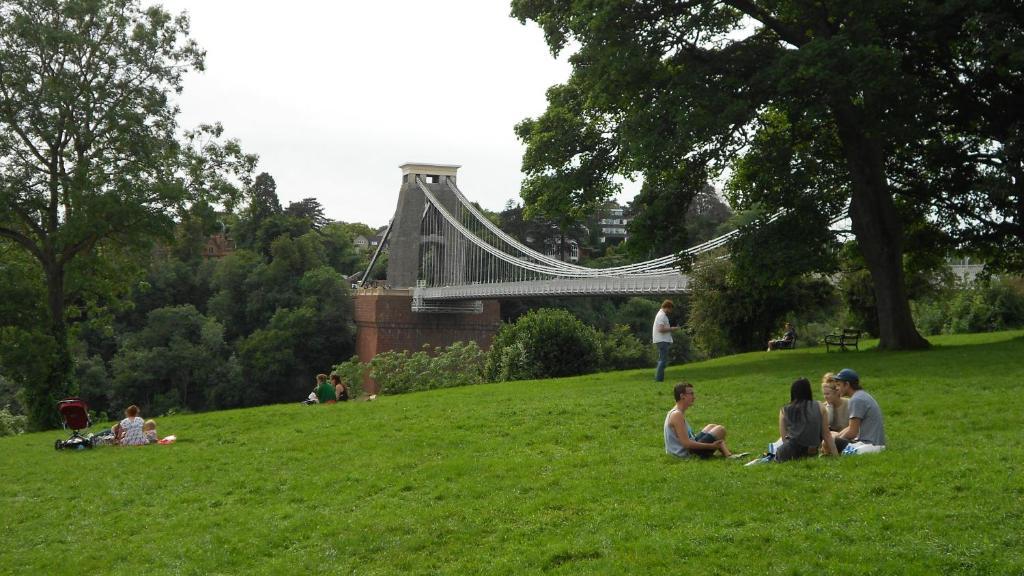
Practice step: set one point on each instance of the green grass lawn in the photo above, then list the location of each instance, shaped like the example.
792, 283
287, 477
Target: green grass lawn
558, 476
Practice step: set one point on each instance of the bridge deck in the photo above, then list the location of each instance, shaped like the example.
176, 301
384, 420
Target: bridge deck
613, 286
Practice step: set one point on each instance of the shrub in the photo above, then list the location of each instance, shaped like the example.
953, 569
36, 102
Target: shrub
460, 364
11, 424
929, 316
620, 350
981, 307
399, 372
544, 343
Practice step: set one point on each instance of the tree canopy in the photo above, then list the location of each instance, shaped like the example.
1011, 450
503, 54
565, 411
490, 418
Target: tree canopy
90, 158
806, 107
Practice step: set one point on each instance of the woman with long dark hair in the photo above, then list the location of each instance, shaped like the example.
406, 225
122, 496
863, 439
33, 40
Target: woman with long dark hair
803, 425
340, 388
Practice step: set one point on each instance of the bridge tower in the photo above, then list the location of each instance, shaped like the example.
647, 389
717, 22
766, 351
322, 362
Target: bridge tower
406, 237
384, 317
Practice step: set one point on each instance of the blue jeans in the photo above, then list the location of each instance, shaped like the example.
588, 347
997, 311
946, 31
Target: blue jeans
659, 373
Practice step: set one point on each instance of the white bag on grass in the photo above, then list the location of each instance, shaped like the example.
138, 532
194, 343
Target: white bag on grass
861, 448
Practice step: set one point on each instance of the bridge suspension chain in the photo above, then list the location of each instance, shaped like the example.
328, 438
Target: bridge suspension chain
453, 254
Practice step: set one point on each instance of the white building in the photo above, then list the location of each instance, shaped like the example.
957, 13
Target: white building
614, 224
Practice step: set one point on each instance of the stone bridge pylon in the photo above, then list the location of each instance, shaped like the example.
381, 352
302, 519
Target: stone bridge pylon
384, 316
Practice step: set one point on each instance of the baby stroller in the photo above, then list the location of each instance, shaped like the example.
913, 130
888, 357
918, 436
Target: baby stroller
75, 415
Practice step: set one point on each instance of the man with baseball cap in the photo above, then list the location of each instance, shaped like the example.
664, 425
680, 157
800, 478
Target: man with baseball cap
866, 422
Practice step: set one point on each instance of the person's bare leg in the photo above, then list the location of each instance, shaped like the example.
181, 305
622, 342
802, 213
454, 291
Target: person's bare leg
718, 431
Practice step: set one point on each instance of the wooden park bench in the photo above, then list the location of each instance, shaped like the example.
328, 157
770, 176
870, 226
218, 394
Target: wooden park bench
844, 340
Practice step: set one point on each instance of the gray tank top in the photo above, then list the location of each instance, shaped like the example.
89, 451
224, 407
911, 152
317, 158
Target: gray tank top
803, 423
672, 444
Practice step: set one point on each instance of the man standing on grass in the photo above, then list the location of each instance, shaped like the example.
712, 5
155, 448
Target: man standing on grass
662, 337
866, 422
679, 438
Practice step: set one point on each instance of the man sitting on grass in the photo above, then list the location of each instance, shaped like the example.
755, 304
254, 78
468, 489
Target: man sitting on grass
324, 390
866, 423
679, 438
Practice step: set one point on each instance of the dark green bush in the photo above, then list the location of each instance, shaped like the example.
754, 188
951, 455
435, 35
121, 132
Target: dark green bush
544, 343
620, 350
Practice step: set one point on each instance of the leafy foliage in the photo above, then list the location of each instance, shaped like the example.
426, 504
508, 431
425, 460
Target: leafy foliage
460, 364
310, 210
807, 106
308, 331
179, 360
983, 307
543, 343
618, 349
731, 313
90, 160
11, 424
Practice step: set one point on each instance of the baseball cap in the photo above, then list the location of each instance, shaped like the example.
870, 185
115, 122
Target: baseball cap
846, 375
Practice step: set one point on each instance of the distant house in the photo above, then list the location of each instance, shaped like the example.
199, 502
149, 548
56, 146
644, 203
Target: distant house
572, 249
614, 224
218, 246
361, 242
378, 237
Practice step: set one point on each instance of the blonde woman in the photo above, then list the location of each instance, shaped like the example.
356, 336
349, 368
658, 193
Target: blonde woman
837, 407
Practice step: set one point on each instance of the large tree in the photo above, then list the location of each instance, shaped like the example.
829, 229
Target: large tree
834, 101
88, 150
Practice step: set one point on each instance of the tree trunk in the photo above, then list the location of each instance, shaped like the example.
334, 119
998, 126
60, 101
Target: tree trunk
879, 232
42, 398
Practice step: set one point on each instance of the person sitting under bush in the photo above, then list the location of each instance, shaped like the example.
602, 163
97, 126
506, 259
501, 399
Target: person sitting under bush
788, 339
680, 440
324, 390
340, 388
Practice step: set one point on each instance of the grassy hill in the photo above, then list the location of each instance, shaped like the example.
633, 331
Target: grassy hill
558, 476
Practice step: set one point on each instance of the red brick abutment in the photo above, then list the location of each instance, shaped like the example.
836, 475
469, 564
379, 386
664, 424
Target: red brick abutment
385, 321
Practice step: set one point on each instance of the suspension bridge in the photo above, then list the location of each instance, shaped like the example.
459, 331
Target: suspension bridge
450, 256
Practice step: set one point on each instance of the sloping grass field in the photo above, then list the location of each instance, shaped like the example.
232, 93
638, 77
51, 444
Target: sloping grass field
559, 476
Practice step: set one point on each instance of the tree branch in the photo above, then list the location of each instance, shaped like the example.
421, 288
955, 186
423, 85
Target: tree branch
764, 17
24, 241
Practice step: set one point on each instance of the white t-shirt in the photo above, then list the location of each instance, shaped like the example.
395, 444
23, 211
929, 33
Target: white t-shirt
661, 320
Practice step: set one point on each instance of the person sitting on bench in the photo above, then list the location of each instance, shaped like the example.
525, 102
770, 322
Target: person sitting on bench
787, 341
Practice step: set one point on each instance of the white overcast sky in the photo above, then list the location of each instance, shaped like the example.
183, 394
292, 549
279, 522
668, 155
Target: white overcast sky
334, 96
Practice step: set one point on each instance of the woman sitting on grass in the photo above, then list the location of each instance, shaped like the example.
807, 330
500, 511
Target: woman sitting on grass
129, 432
803, 425
340, 389
837, 407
